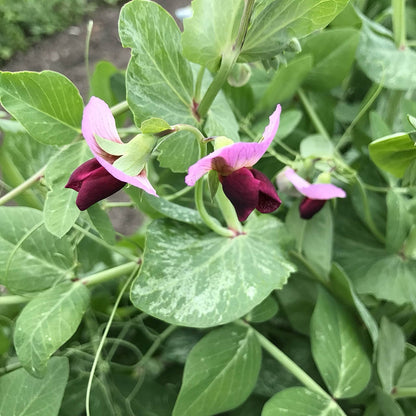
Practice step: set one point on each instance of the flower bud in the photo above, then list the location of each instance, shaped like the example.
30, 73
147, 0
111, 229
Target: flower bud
240, 75
222, 141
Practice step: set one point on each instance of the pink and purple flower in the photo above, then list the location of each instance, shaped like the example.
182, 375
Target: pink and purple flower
97, 178
245, 187
315, 195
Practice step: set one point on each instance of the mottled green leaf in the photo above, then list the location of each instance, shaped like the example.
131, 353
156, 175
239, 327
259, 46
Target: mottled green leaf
182, 277
47, 322
31, 259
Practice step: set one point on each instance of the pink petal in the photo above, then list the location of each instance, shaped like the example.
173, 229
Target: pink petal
237, 155
321, 191
98, 120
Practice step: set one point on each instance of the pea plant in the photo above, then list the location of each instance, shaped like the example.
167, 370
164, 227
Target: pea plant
269, 148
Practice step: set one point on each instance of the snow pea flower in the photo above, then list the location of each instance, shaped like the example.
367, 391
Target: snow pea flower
99, 177
315, 194
245, 187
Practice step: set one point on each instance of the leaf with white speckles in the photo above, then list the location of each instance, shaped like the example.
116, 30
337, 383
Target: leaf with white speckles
47, 322
195, 279
337, 348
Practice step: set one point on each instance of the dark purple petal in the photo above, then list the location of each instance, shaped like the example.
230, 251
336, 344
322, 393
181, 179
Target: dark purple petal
248, 189
309, 207
268, 201
93, 183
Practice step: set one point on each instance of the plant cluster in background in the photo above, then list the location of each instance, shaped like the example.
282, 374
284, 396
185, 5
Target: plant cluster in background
25, 22
271, 147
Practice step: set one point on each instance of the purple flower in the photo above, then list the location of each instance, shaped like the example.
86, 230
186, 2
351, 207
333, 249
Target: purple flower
245, 187
97, 178
315, 194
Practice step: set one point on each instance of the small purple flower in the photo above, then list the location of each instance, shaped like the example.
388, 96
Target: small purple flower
245, 187
315, 194
97, 178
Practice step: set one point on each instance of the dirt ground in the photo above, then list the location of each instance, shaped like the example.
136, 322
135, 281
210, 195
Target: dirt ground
64, 52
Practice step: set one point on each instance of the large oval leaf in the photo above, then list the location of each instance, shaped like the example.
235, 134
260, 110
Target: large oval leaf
337, 349
31, 259
229, 356
47, 322
46, 103
159, 79
195, 279
298, 401
24, 395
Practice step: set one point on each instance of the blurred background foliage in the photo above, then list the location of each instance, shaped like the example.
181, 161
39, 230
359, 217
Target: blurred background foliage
23, 22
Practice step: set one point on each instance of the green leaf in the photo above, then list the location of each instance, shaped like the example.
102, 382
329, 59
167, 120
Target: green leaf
342, 288
165, 208
387, 405
154, 125
412, 120
316, 146
264, 311
308, 232
47, 322
21, 157
407, 376
285, 82
279, 22
379, 128
297, 401
393, 153
102, 223
337, 349
390, 355
60, 211
228, 356
46, 103
382, 61
178, 151
24, 395
159, 79
100, 82
398, 221
333, 53
31, 259
211, 31
186, 285
289, 120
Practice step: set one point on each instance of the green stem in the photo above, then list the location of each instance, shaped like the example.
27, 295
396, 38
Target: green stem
107, 205
316, 121
9, 368
367, 213
177, 194
402, 392
13, 300
192, 129
198, 84
227, 62
104, 244
368, 101
23, 186
211, 222
87, 51
399, 23
291, 366
228, 211
279, 157
119, 108
110, 274
103, 338
309, 266
156, 344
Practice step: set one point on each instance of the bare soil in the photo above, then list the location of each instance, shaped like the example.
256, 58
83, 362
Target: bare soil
65, 53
